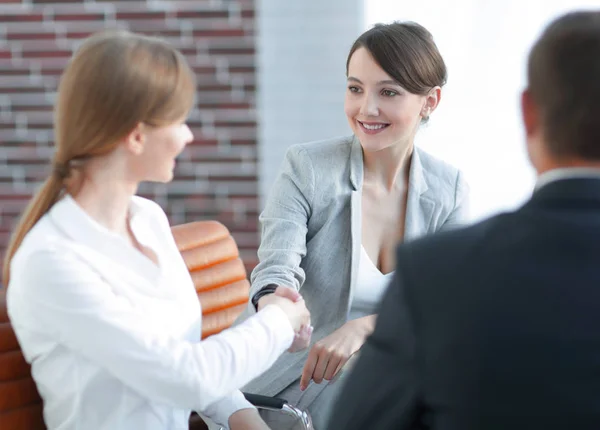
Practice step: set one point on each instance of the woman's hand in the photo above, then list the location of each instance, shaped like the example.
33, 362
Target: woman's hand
247, 419
286, 297
331, 353
304, 333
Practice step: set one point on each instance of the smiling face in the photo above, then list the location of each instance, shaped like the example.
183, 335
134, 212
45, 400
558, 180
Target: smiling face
380, 112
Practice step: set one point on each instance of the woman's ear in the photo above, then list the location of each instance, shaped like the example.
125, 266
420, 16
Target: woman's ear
432, 99
136, 139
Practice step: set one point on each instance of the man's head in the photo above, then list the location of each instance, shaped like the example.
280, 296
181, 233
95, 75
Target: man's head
561, 104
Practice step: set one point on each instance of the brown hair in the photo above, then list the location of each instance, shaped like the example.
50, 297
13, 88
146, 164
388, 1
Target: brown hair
564, 84
405, 51
113, 82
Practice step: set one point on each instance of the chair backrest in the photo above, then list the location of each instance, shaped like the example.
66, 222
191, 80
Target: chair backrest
20, 403
219, 276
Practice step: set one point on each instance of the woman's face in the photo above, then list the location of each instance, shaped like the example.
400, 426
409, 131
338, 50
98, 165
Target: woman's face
381, 113
161, 146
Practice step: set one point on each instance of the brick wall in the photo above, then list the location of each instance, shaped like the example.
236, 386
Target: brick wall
217, 175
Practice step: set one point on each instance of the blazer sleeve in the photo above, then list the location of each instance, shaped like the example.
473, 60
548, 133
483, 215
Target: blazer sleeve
68, 301
284, 224
460, 211
386, 369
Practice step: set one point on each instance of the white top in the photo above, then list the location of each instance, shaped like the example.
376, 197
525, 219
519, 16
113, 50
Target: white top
114, 339
369, 288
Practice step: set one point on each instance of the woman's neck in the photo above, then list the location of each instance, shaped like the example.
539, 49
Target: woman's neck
389, 167
106, 196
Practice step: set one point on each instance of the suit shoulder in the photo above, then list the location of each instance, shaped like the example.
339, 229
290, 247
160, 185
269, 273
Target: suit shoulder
324, 151
440, 172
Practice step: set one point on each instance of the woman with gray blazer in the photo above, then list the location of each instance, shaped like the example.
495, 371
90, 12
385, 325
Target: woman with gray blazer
339, 207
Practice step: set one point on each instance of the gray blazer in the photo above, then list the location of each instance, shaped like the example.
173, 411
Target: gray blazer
311, 232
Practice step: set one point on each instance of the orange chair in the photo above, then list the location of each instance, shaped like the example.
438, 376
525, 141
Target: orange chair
220, 279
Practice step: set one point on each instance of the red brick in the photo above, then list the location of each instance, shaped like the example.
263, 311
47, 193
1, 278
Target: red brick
140, 15
30, 36
15, 71
47, 54
221, 159
223, 105
189, 51
34, 17
79, 17
79, 34
242, 69
220, 32
202, 14
249, 124
231, 50
20, 89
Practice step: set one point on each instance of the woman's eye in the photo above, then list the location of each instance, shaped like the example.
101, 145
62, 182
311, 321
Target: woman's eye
389, 93
354, 89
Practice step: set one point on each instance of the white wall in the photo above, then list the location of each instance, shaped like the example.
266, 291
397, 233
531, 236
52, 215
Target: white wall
477, 126
302, 48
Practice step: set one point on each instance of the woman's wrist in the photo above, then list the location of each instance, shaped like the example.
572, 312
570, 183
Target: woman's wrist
363, 326
266, 290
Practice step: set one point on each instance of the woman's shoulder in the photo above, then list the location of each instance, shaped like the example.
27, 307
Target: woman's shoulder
323, 152
438, 173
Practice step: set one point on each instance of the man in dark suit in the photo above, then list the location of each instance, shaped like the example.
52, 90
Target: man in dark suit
497, 326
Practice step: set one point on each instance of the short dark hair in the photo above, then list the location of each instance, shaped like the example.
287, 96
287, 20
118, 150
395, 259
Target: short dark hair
405, 51
564, 84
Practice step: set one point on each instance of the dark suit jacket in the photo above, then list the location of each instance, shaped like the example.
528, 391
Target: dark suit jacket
495, 326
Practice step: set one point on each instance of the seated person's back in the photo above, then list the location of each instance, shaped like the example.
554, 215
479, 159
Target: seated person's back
496, 326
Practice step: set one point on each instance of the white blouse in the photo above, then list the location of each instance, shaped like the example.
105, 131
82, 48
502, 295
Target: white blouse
369, 288
114, 339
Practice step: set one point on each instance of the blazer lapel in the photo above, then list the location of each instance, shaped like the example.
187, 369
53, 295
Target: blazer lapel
356, 181
419, 207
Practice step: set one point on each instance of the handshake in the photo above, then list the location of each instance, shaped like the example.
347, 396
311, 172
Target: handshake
294, 307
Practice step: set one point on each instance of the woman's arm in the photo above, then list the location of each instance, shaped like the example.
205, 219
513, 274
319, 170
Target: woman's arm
284, 223
55, 293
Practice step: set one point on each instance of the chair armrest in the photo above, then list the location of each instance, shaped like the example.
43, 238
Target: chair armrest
282, 405
265, 402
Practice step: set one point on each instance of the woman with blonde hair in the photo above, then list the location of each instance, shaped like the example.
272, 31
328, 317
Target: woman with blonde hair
98, 294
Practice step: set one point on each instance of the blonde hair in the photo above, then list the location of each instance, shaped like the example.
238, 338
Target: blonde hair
113, 82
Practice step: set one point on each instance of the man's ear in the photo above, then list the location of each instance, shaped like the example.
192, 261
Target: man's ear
530, 114
136, 139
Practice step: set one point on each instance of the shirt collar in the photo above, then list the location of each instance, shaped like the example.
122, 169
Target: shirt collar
566, 173
76, 224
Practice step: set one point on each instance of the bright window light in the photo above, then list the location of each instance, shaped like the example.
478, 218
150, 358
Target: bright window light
477, 126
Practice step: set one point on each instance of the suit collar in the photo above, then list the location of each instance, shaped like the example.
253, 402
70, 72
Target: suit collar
566, 173
572, 190
356, 164
417, 178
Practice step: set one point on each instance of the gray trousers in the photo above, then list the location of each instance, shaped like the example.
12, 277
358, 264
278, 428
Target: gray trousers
318, 404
